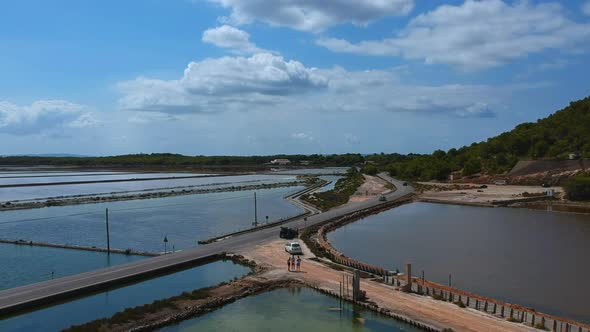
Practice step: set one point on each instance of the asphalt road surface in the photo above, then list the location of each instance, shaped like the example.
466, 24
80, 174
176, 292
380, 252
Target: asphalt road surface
46, 292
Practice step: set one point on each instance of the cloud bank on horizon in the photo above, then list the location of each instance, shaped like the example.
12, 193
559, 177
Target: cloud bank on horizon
319, 77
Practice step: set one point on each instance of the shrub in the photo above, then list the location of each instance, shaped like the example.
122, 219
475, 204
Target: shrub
460, 304
578, 188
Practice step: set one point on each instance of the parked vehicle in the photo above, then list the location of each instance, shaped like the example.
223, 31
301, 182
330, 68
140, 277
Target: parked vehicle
382, 198
405, 184
545, 185
288, 233
293, 248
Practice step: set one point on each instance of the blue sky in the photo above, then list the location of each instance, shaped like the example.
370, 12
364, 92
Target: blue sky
296, 76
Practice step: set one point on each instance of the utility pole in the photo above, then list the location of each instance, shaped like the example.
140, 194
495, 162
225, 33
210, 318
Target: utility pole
255, 211
165, 244
450, 283
108, 235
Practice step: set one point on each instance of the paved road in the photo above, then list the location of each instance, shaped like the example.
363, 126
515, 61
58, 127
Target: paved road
49, 291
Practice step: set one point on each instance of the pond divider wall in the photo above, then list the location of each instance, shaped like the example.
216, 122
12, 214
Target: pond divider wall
77, 247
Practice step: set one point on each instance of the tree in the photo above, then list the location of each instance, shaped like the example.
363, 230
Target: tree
578, 188
471, 167
370, 169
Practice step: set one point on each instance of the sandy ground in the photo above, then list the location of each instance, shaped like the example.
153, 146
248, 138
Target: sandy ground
483, 196
371, 187
420, 308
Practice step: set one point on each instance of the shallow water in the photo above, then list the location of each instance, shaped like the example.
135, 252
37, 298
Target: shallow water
22, 265
108, 303
333, 179
143, 224
25, 193
37, 178
325, 170
534, 258
287, 310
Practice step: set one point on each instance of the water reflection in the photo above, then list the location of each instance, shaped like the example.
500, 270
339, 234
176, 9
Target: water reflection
533, 258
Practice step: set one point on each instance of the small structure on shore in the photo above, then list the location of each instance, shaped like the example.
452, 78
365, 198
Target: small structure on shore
280, 161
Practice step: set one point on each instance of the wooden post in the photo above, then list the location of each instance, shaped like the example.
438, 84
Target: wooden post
108, 234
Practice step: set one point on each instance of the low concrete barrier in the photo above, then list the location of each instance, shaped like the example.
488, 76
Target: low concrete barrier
77, 247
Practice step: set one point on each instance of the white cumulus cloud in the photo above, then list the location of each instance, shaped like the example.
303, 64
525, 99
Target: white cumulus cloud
222, 84
313, 15
232, 38
476, 34
43, 115
266, 82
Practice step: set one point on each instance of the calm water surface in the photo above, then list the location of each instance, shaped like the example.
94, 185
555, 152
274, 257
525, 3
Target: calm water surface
22, 265
289, 310
108, 303
325, 170
4, 180
534, 258
24, 193
333, 179
143, 224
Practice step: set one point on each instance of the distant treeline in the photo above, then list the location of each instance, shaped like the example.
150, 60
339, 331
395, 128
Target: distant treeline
170, 159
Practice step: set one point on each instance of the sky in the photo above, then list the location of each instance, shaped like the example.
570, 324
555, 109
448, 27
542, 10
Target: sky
260, 77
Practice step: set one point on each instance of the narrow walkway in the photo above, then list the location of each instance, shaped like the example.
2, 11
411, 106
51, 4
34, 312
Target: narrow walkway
423, 309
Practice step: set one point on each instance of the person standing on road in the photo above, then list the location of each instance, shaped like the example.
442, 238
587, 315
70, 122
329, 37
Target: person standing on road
289, 264
293, 262
298, 264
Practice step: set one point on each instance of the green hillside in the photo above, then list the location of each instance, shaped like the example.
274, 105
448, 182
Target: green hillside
554, 137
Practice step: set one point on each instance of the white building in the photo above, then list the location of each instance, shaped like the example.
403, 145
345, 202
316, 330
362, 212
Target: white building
280, 162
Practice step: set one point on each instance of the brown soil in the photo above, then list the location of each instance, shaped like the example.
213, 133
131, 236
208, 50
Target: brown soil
472, 194
372, 187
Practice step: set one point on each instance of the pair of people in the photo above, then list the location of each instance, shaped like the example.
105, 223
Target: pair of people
291, 261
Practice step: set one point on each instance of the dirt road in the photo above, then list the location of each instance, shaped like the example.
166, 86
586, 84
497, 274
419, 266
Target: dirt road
424, 309
372, 187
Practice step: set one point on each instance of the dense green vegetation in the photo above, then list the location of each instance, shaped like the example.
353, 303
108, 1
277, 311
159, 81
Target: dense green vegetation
554, 137
578, 188
169, 159
341, 193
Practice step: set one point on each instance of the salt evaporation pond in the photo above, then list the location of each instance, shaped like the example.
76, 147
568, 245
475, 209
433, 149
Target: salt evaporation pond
36, 179
533, 258
22, 265
37, 192
143, 224
291, 310
108, 303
